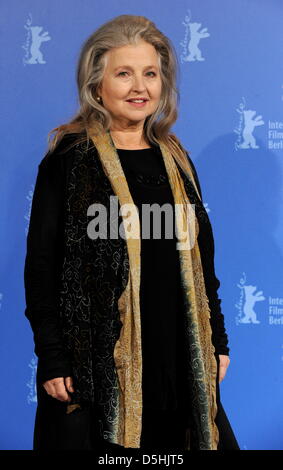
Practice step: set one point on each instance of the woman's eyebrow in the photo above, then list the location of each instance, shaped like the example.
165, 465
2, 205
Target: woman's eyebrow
129, 67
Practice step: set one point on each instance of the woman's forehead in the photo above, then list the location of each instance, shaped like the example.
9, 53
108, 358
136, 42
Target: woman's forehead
130, 54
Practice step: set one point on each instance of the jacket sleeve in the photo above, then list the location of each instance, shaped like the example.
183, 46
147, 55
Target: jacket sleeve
212, 283
44, 250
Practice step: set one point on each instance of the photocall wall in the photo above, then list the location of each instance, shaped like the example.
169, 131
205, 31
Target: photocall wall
231, 122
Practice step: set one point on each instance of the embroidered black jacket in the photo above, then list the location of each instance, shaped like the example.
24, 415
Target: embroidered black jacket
62, 269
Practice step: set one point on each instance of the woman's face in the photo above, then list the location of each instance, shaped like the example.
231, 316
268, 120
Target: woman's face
131, 71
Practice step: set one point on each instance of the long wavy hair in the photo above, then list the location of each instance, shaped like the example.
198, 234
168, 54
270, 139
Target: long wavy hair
120, 31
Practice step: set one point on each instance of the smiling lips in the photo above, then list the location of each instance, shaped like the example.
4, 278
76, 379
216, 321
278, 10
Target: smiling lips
137, 100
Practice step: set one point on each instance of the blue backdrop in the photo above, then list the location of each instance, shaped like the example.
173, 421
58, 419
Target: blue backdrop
231, 121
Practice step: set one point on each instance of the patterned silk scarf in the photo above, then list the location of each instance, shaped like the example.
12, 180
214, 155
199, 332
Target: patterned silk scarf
128, 352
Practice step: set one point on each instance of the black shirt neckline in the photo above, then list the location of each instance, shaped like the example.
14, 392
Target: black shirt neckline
135, 150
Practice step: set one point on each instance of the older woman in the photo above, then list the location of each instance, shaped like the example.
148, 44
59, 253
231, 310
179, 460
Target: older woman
127, 324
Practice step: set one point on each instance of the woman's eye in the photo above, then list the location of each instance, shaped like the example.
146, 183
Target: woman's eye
121, 73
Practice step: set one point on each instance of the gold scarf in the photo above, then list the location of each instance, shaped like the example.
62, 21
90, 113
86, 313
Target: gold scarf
128, 351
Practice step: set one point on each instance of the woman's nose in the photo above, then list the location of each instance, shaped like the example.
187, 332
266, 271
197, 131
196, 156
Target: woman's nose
138, 83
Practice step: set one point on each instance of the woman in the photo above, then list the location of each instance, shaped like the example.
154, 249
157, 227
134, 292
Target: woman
128, 329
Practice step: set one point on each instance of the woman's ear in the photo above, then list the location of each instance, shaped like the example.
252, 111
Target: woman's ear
99, 90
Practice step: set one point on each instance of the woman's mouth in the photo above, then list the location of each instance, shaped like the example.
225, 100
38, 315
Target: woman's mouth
137, 103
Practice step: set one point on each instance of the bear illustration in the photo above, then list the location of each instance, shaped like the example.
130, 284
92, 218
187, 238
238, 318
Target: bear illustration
250, 300
250, 124
36, 55
196, 36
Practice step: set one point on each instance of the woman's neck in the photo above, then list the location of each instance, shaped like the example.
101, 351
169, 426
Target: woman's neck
129, 141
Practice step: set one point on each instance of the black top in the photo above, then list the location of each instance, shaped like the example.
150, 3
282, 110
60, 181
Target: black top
160, 294
161, 306
162, 312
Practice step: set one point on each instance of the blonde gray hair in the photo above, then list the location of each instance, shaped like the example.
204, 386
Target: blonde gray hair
120, 31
